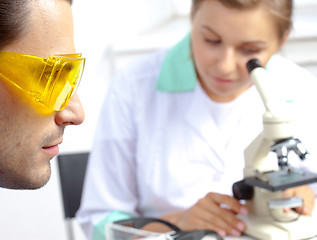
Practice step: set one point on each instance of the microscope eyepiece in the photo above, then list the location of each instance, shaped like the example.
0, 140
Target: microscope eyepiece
253, 63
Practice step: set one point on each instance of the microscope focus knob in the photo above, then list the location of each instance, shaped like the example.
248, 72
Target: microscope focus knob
242, 191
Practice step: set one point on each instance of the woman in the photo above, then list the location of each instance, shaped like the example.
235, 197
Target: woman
174, 125
38, 75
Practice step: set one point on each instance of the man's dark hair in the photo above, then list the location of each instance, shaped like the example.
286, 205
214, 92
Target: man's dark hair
14, 15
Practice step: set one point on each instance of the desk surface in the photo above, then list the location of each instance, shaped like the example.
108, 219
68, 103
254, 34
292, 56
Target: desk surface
244, 237
230, 238
239, 238
300, 226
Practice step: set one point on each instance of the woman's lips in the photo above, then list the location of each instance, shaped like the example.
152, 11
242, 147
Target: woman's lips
222, 81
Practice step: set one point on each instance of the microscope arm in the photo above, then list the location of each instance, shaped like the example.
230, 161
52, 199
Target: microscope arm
259, 78
265, 178
277, 136
277, 110
277, 123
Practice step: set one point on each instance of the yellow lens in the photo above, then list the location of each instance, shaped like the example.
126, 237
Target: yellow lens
66, 83
51, 81
20, 70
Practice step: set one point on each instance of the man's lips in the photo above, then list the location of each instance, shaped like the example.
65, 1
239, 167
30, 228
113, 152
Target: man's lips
52, 149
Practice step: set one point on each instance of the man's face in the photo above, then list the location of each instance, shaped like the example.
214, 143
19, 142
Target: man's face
29, 139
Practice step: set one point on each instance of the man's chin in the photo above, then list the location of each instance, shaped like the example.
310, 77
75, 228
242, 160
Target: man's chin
25, 185
30, 182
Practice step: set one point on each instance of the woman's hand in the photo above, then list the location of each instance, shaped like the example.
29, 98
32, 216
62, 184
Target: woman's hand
306, 193
215, 212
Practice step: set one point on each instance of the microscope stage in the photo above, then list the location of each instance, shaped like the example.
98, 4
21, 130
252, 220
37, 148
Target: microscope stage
281, 180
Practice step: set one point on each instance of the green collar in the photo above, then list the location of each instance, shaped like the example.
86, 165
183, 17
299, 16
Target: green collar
178, 70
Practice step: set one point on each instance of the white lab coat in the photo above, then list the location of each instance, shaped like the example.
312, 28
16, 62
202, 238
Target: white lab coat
156, 152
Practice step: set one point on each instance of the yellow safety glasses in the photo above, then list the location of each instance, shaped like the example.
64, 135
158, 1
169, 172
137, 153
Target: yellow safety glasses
50, 81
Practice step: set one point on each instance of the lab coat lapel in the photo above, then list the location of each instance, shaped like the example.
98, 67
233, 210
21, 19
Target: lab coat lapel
200, 120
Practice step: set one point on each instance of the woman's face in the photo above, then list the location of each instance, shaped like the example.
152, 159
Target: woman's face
223, 40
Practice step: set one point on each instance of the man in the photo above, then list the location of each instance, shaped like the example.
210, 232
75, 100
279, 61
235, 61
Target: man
37, 92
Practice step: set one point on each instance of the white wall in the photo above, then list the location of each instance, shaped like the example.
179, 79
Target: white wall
120, 27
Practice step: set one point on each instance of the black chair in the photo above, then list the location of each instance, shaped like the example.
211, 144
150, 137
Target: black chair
72, 169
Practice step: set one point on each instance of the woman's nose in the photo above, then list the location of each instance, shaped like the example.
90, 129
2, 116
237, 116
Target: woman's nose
226, 62
73, 114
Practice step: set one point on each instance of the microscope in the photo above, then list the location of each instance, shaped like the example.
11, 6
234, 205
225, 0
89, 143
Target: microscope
265, 177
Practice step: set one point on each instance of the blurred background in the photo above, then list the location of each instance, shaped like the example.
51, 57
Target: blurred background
110, 34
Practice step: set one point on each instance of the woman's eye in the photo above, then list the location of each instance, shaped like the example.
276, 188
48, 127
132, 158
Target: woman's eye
250, 50
213, 41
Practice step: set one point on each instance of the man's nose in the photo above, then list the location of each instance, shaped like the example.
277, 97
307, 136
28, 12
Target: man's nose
73, 114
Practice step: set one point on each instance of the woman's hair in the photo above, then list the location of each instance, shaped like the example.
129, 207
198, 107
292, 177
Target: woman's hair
281, 10
14, 16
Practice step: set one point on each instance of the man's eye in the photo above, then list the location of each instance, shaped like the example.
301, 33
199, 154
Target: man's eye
69, 67
48, 74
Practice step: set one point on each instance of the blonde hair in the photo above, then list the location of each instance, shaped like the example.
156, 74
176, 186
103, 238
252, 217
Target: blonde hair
281, 10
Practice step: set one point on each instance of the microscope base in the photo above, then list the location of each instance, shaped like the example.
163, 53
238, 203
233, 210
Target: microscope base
265, 228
